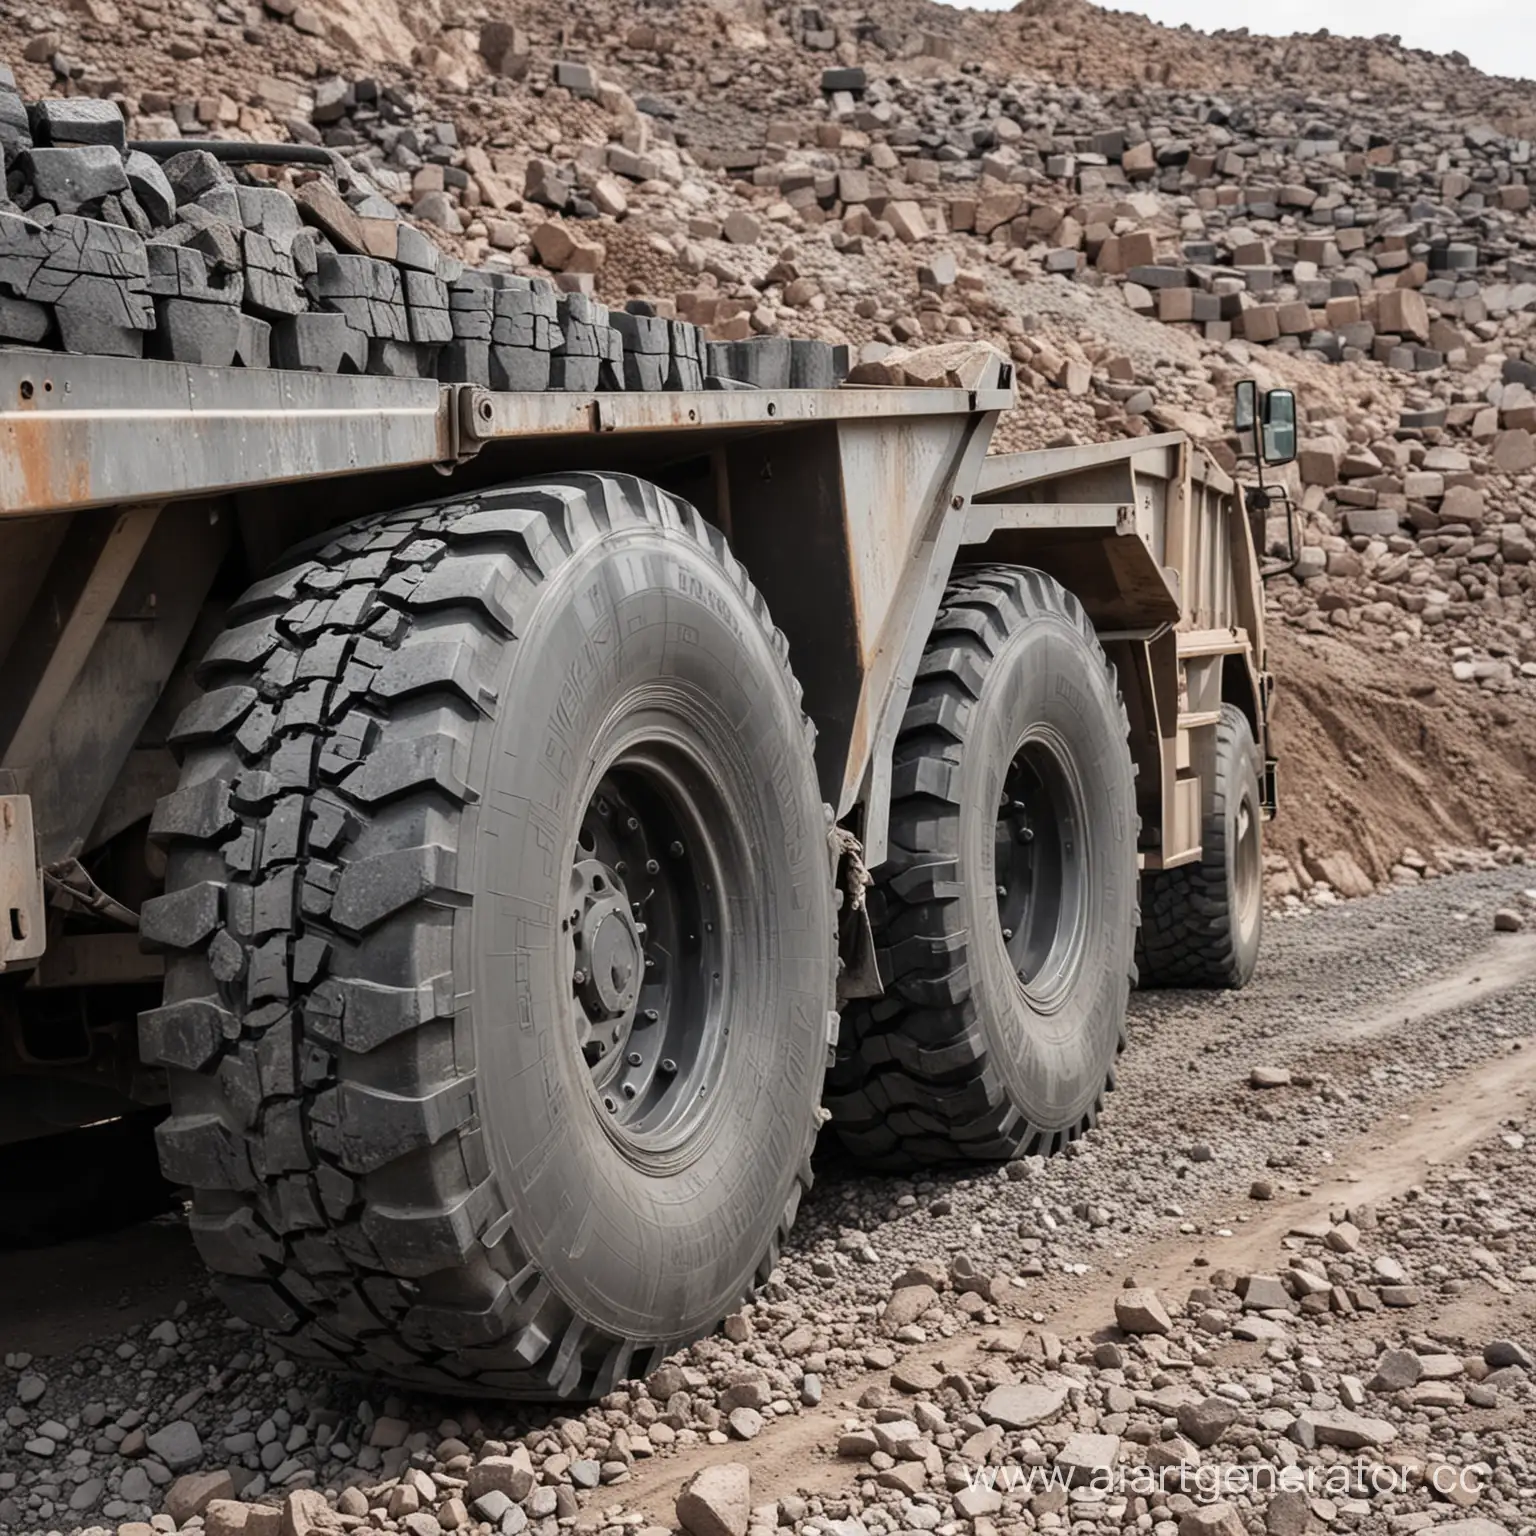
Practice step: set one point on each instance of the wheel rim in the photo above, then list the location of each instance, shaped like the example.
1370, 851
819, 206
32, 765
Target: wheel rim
1247, 864
1041, 860
644, 942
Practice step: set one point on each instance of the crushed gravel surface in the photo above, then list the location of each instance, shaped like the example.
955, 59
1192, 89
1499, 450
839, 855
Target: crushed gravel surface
1319, 1187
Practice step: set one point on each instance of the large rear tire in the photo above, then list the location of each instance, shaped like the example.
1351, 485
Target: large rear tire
1005, 914
1202, 923
501, 942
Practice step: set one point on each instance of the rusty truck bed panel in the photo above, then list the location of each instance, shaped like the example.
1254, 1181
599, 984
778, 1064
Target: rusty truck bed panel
81, 432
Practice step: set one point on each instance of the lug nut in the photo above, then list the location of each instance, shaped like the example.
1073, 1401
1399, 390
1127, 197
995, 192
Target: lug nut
676, 850
611, 1105
632, 824
668, 1065
652, 867
1007, 933
580, 978
629, 1090
634, 1058
650, 1015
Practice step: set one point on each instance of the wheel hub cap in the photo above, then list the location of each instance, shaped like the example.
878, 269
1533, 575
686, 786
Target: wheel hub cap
609, 962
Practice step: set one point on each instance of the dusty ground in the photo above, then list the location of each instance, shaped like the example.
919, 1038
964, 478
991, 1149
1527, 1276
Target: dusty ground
1409, 1031
1382, 751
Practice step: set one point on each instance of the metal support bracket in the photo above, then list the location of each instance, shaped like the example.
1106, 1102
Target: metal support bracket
23, 930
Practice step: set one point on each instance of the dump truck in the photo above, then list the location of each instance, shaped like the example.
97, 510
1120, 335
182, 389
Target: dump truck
484, 835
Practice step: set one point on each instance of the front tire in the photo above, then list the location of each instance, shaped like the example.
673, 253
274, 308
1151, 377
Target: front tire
1005, 914
499, 911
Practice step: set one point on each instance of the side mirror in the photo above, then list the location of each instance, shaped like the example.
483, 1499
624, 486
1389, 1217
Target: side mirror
1245, 407
1277, 442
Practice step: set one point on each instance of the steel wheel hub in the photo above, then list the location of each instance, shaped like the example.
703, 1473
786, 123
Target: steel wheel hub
1040, 860
643, 927
609, 962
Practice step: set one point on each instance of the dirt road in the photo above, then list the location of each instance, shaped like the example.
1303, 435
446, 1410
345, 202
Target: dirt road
1401, 1033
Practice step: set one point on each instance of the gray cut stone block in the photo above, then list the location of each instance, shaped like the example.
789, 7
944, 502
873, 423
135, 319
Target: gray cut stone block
268, 211
22, 322
610, 373
223, 203
415, 251
98, 270
577, 340
575, 308
78, 120
368, 292
426, 306
465, 361
304, 248
685, 339
271, 281
319, 343
23, 250
644, 334
470, 324
527, 316
189, 332
71, 177
180, 272
88, 333
577, 375
147, 182
424, 290
193, 172
842, 360
851, 79
1159, 276
646, 370
343, 276
253, 349
15, 128
810, 365
525, 330
401, 359
763, 361
218, 241
520, 368
428, 327
685, 374
576, 78
716, 381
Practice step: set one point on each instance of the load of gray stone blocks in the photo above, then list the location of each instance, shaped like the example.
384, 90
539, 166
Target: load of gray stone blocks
105, 250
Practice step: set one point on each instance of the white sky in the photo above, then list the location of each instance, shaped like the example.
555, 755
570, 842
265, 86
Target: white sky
1498, 36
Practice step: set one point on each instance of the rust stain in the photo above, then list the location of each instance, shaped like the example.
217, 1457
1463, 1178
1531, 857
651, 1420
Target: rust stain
44, 477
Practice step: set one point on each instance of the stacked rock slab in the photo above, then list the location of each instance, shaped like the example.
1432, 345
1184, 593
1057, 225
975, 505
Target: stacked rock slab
105, 251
